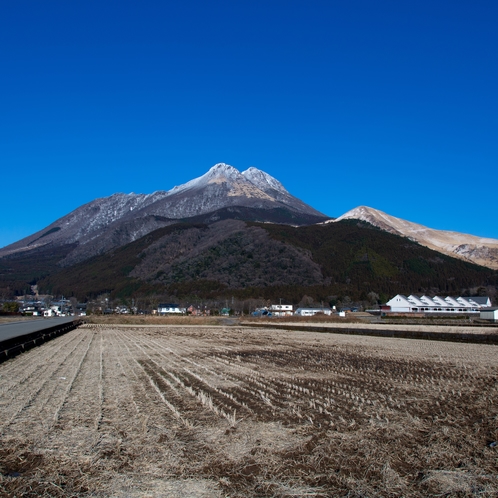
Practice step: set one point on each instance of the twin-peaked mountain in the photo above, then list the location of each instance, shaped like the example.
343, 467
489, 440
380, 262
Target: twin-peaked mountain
223, 192
241, 233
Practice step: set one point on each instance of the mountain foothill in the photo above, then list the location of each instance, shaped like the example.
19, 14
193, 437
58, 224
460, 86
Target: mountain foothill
242, 234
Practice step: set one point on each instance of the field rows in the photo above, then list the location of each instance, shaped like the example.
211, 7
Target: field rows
212, 411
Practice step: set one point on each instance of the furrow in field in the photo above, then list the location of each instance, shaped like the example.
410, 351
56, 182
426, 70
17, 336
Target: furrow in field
31, 363
163, 378
250, 388
73, 429
33, 403
81, 407
305, 400
158, 392
121, 410
123, 358
145, 400
113, 429
74, 375
324, 396
202, 379
238, 385
99, 417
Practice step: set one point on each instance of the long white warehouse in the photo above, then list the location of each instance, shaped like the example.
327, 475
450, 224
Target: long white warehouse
436, 304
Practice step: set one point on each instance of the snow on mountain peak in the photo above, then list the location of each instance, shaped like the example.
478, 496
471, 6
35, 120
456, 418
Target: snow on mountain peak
263, 180
359, 213
223, 170
218, 173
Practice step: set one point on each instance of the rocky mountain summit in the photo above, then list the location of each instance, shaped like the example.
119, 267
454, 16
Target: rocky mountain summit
223, 193
110, 222
478, 250
240, 232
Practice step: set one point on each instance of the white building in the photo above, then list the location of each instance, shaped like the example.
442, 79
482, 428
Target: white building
281, 309
436, 304
489, 314
312, 311
482, 301
165, 308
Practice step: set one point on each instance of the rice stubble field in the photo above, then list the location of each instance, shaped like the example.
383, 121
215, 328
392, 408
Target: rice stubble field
212, 411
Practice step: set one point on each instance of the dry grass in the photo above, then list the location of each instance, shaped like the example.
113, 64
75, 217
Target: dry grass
215, 411
354, 323
156, 320
319, 318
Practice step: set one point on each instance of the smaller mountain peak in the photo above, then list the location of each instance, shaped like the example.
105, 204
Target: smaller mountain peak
223, 168
360, 212
263, 180
218, 172
251, 170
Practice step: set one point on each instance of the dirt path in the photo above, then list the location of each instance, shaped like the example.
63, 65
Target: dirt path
215, 411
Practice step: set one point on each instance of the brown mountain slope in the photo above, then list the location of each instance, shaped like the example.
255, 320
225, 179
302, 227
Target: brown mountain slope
478, 250
275, 261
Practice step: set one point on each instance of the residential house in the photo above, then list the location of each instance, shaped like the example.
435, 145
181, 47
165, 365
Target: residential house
312, 311
281, 309
198, 311
489, 313
167, 308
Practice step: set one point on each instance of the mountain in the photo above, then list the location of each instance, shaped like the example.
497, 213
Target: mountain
261, 260
478, 250
242, 233
111, 222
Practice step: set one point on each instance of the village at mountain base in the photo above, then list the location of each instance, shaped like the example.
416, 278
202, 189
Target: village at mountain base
399, 306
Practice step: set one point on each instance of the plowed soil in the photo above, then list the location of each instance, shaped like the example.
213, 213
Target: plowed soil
223, 411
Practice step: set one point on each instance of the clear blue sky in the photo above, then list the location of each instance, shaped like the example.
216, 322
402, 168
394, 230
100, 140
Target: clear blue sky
389, 104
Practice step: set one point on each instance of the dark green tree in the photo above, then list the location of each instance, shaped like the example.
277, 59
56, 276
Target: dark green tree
10, 307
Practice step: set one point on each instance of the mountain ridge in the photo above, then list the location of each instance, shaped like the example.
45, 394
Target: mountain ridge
224, 198
261, 260
111, 221
478, 250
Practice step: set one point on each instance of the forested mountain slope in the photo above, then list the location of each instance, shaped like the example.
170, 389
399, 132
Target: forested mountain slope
252, 260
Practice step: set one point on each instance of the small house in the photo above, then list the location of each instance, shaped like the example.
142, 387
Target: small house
489, 314
312, 311
281, 309
167, 308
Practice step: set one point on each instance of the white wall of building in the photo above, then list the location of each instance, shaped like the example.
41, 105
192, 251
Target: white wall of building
281, 309
312, 311
436, 304
489, 314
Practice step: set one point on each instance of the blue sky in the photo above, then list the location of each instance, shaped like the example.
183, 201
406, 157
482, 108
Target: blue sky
389, 104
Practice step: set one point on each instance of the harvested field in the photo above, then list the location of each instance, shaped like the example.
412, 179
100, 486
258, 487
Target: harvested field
116, 410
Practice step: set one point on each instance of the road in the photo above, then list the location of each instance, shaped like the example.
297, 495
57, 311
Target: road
17, 329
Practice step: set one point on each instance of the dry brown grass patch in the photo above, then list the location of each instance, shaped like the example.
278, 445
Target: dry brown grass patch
243, 412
